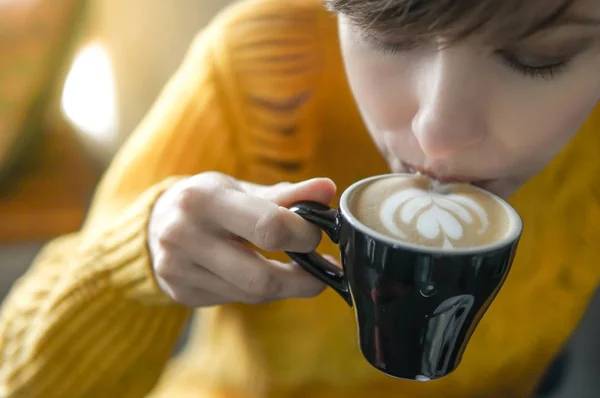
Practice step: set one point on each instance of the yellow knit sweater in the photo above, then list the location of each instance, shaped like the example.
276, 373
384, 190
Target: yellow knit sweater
262, 96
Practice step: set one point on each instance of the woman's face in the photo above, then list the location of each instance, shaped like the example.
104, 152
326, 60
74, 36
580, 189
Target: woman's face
492, 116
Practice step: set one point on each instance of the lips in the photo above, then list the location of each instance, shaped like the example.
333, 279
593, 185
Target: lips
443, 178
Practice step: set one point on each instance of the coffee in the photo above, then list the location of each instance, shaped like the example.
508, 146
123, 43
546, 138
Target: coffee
417, 210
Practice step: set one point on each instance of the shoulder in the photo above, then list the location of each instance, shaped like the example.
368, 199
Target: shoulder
271, 17
252, 30
270, 61
268, 42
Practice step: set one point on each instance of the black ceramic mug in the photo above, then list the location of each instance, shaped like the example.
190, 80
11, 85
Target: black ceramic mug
416, 307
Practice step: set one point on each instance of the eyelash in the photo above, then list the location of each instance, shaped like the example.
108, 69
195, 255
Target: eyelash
548, 72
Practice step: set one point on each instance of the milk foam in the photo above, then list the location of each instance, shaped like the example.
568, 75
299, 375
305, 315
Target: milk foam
421, 211
435, 213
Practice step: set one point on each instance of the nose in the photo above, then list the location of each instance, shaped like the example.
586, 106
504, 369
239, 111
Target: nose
451, 104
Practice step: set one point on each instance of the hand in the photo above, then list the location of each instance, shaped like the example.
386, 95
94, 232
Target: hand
198, 232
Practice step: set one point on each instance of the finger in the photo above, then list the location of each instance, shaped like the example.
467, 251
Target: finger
195, 298
194, 277
234, 262
251, 211
174, 276
263, 223
260, 278
320, 190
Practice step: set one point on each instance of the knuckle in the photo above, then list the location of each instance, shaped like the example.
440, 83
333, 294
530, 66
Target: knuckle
271, 232
180, 296
213, 181
262, 286
186, 199
171, 234
209, 186
214, 176
283, 185
198, 190
165, 265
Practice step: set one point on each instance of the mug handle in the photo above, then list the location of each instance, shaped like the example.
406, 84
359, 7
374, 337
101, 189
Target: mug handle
327, 219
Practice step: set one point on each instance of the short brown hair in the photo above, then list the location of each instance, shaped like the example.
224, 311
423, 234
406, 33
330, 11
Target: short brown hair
496, 20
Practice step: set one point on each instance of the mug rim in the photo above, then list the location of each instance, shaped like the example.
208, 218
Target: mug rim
512, 235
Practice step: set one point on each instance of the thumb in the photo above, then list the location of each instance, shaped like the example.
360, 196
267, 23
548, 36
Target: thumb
320, 190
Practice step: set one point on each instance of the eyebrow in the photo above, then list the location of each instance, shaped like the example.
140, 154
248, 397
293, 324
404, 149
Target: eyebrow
562, 18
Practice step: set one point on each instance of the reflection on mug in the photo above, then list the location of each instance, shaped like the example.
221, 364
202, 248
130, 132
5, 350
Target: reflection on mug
443, 330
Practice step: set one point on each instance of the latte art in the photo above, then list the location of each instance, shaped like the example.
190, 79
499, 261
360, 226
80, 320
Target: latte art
411, 209
434, 214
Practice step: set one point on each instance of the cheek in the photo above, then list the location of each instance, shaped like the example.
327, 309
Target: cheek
537, 124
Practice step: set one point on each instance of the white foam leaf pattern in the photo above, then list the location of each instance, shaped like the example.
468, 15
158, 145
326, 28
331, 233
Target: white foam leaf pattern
392, 204
435, 214
449, 223
428, 225
412, 207
454, 208
447, 244
475, 207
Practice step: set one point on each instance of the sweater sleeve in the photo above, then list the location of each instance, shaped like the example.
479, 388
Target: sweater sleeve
88, 319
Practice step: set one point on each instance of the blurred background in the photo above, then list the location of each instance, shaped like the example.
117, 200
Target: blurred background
75, 79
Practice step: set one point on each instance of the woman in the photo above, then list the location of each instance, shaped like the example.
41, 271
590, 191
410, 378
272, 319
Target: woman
488, 91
